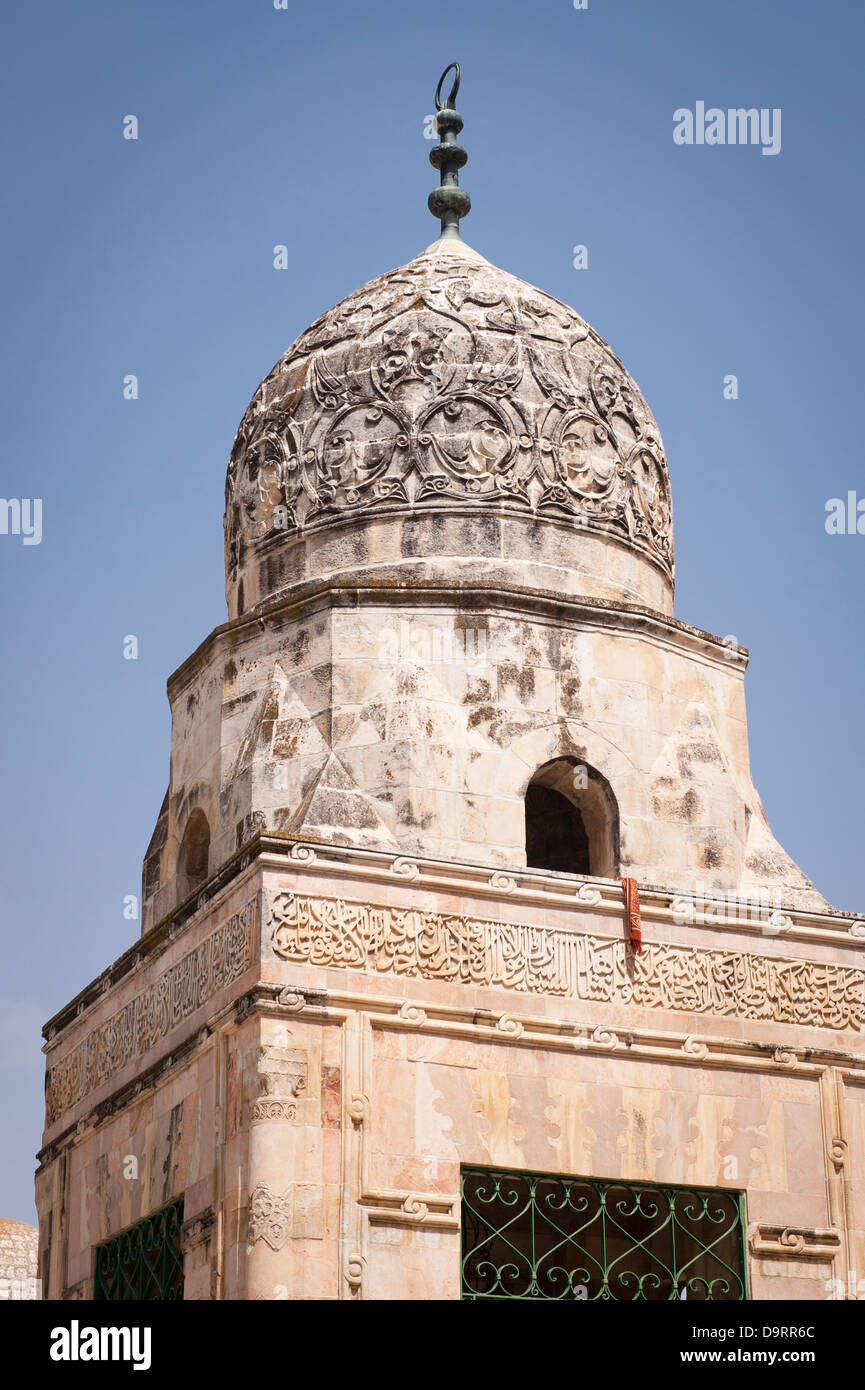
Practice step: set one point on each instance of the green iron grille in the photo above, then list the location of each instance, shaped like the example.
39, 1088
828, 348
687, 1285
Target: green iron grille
145, 1261
538, 1236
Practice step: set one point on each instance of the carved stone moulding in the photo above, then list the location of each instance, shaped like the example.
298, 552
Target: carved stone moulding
431, 1210
478, 951
269, 1216
130, 1033
283, 1078
444, 383
277, 1109
197, 1229
795, 1242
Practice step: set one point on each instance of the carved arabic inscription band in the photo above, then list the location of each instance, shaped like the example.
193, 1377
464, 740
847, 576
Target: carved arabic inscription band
221, 958
544, 960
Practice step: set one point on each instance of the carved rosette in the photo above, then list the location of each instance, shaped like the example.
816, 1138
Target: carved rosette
445, 382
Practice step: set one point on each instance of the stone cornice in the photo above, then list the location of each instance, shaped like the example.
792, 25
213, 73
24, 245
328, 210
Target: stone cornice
130, 1032
547, 1032
524, 886
553, 1033
149, 947
538, 887
312, 596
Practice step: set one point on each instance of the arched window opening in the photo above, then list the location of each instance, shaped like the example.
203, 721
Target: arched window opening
555, 835
572, 820
194, 851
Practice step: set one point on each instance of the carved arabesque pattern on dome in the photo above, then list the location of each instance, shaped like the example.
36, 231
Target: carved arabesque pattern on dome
442, 382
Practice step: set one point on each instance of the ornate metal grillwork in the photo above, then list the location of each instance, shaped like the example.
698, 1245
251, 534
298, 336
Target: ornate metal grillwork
535, 1235
145, 1261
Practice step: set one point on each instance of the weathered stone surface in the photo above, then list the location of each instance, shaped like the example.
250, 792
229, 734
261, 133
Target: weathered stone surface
19, 1246
350, 984
411, 1017
464, 405
416, 726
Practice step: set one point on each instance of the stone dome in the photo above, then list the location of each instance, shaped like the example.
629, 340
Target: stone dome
449, 423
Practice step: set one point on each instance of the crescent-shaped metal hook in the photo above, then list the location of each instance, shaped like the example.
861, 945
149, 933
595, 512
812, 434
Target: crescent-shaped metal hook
449, 102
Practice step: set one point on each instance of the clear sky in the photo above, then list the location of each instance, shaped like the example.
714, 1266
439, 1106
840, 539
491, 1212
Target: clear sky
305, 127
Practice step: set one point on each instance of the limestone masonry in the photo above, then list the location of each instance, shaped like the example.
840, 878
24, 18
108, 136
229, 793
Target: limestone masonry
18, 1249
385, 963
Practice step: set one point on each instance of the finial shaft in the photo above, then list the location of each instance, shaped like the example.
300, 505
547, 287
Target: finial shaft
448, 202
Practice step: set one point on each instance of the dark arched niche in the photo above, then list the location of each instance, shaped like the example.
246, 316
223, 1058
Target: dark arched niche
194, 850
572, 820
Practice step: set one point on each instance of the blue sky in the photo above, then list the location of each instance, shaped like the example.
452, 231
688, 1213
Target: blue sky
305, 127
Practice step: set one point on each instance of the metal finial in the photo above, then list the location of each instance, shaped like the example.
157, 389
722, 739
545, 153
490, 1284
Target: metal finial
449, 202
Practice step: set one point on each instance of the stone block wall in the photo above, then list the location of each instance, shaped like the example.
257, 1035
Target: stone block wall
313, 1055
19, 1245
415, 727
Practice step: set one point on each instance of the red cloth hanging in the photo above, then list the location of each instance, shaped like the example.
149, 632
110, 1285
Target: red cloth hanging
632, 903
